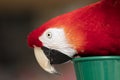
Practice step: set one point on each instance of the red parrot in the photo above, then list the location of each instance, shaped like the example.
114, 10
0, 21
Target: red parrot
93, 30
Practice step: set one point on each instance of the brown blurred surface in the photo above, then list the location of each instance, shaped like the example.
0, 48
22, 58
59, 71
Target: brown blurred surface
17, 19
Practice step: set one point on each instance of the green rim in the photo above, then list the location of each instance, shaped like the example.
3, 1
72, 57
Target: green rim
96, 58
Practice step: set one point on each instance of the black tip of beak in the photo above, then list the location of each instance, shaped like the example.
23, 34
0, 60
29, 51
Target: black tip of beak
55, 57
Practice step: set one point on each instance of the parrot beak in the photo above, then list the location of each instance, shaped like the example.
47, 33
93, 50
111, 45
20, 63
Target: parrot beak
43, 60
46, 57
55, 56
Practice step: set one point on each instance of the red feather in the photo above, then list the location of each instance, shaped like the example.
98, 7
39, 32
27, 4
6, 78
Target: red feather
94, 28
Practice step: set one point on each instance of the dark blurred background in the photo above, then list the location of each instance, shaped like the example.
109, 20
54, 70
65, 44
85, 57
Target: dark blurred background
17, 19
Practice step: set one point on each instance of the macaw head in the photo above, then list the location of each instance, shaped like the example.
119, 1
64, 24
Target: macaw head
56, 42
78, 32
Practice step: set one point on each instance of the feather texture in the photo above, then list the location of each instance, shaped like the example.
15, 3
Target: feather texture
91, 30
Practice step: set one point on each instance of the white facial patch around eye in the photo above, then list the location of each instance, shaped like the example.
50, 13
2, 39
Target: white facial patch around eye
54, 38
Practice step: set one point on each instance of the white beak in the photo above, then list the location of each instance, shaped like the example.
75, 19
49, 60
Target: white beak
43, 60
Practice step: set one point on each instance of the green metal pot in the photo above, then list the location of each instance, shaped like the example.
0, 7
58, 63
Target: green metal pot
97, 68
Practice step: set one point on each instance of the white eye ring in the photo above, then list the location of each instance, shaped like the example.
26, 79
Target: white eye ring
49, 35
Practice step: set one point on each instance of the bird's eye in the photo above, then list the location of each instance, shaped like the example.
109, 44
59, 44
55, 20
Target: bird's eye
49, 35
